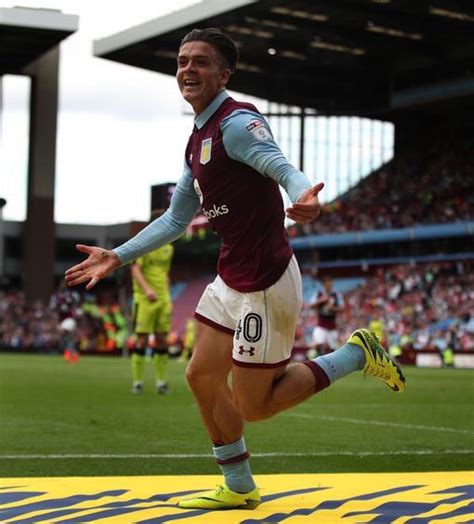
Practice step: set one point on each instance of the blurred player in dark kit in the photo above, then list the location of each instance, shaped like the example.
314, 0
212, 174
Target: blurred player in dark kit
328, 303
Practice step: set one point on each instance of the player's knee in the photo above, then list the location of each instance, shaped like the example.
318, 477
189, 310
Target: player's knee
196, 377
202, 379
191, 375
251, 412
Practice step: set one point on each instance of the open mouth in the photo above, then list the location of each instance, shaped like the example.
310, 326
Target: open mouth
190, 83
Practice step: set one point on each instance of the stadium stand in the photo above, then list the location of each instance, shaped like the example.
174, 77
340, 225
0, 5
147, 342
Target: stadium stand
100, 322
185, 303
430, 183
419, 305
422, 307
410, 221
24, 325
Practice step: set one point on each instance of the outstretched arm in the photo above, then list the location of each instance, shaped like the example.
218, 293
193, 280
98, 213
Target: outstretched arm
102, 262
248, 139
138, 276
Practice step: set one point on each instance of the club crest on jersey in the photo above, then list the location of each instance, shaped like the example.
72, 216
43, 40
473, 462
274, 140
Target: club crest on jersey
206, 147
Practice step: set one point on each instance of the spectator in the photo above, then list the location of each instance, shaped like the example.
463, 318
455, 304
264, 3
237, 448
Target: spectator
37, 326
413, 303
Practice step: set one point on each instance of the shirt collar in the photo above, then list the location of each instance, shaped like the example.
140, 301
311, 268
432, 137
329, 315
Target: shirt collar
203, 117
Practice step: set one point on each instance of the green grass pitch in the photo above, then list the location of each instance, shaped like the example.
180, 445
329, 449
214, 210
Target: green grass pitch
58, 419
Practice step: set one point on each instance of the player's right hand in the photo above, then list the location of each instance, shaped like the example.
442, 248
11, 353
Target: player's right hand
100, 263
151, 296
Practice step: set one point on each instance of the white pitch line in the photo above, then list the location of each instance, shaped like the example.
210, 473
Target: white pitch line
254, 455
380, 423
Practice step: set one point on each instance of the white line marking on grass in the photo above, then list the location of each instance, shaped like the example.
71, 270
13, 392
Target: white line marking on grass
257, 455
379, 423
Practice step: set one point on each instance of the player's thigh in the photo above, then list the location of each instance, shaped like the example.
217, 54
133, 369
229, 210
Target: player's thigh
253, 387
212, 353
144, 314
266, 327
163, 318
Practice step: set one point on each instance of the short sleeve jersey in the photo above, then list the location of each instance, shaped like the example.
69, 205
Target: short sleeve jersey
244, 208
327, 317
155, 267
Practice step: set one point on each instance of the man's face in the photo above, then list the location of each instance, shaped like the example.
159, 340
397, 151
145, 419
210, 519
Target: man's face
201, 74
327, 283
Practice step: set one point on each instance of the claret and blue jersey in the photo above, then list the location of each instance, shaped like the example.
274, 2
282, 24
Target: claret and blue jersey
232, 169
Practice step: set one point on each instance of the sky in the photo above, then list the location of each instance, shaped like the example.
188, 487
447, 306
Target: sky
122, 129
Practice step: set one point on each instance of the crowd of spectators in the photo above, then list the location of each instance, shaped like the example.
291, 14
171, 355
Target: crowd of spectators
422, 307
427, 306
423, 186
99, 323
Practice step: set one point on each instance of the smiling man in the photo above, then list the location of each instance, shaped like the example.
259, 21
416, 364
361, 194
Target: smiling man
247, 316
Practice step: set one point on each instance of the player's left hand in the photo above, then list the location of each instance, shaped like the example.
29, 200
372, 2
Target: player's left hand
308, 207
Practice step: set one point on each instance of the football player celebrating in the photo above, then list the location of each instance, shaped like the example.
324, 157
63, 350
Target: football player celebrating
247, 315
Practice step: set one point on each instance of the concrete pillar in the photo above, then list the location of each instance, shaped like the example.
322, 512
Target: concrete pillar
1, 109
39, 229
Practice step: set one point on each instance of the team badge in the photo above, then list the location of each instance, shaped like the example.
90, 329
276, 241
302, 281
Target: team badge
206, 146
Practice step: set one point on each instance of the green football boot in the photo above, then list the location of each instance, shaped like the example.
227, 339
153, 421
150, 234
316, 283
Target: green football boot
378, 363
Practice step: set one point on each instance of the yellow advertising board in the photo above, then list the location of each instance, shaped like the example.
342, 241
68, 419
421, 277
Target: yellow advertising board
414, 498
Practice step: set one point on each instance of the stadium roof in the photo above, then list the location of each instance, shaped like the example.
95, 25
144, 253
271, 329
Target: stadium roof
26, 34
338, 56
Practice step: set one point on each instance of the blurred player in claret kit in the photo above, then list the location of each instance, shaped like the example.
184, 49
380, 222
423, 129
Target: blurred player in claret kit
247, 316
67, 330
328, 303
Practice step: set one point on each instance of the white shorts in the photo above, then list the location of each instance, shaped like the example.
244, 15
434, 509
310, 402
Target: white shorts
325, 337
263, 323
